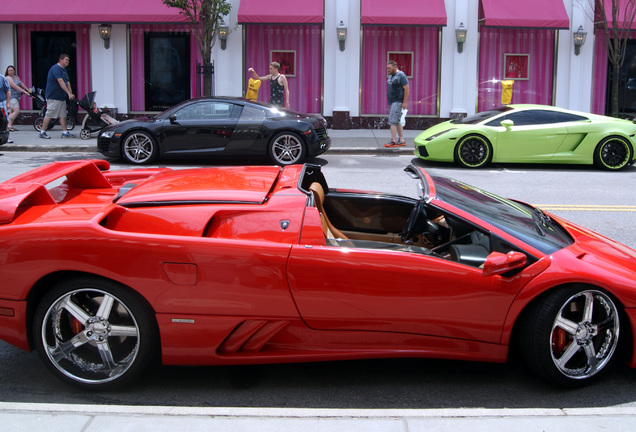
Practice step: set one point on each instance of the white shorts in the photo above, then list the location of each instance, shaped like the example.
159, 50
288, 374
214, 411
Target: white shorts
15, 103
55, 108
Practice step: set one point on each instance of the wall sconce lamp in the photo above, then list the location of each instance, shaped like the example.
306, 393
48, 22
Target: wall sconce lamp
579, 40
104, 33
460, 32
223, 31
341, 31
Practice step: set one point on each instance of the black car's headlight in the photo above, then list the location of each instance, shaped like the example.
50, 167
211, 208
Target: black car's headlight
432, 137
108, 134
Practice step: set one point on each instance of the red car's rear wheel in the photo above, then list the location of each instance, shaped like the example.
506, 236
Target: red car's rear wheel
94, 334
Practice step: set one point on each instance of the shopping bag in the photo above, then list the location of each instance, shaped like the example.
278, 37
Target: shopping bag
252, 89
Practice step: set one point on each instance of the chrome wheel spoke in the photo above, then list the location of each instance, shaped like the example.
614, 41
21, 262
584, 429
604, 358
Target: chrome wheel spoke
123, 331
567, 355
567, 325
63, 350
105, 307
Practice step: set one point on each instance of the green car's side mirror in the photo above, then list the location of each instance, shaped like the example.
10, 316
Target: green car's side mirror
507, 124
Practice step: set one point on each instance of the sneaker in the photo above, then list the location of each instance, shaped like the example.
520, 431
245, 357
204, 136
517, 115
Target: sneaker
9, 141
393, 144
67, 134
43, 135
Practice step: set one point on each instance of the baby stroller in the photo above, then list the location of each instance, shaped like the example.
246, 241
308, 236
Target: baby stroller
96, 119
40, 103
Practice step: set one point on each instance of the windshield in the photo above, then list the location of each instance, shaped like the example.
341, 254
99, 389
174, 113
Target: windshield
520, 220
479, 117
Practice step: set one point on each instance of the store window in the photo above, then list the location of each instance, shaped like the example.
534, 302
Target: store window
46, 48
416, 50
297, 48
163, 63
523, 55
166, 70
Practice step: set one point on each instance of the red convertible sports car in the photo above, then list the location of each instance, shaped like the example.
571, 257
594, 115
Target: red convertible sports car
107, 271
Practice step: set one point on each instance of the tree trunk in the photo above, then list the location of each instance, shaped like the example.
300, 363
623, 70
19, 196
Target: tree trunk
616, 70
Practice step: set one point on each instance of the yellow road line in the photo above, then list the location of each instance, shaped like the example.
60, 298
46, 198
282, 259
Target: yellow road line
590, 207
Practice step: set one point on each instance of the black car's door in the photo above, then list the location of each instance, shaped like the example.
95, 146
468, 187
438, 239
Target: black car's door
199, 128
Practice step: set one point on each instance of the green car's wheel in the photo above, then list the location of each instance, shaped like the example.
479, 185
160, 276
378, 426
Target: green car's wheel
473, 151
613, 153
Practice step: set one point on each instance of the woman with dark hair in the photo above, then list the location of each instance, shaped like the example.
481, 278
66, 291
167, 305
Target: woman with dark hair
18, 88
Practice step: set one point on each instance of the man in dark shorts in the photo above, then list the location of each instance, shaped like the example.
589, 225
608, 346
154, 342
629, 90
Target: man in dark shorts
58, 88
397, 92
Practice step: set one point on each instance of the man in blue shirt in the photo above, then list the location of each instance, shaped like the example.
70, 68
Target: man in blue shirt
5, 96
58, 88
397, 92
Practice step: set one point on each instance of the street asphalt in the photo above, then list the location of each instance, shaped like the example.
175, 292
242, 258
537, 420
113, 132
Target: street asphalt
28, 417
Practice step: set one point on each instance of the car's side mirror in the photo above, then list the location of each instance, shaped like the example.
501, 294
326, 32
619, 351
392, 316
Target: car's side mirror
508, 124
498, 263
173, 119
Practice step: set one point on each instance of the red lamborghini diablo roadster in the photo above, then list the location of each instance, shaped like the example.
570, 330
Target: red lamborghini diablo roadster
106, 271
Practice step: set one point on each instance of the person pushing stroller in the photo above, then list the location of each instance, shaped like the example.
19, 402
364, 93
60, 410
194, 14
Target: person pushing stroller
58, 88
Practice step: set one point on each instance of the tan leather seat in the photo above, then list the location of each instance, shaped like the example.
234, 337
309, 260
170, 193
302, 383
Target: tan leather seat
328, 229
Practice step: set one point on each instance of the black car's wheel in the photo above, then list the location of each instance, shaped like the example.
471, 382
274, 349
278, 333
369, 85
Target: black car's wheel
94, 334
571, 336
613, 153
473, 151
287, 148
139, 148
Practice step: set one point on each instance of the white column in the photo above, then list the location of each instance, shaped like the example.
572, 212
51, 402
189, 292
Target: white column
109, 68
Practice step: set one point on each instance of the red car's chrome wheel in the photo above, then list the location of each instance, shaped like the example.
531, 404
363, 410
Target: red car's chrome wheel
572, 335
93, 334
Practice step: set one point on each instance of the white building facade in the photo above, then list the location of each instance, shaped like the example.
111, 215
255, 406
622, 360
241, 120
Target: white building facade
151, 59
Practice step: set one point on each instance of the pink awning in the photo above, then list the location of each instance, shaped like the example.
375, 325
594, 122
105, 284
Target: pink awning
403, 12
281, 12
625, 12
549, 14
89, 11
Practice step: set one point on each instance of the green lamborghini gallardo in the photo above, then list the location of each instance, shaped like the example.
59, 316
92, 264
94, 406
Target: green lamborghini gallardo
530, 134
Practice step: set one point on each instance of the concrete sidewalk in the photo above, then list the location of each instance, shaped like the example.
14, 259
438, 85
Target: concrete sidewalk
20, 417
342, 141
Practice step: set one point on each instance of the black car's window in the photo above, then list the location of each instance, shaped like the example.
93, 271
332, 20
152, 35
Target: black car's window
252, 113
206, 110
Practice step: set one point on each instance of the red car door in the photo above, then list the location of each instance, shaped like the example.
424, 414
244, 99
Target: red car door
341, 288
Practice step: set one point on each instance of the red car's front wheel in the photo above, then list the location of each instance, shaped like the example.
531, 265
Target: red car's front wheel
571, 335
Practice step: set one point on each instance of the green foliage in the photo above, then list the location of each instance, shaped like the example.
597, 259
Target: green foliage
204, 18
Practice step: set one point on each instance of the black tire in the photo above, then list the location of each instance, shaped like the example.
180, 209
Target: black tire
287, 148
613, 153
85, 134
571, 336
94, 334
139, 148
37, 124
473, 151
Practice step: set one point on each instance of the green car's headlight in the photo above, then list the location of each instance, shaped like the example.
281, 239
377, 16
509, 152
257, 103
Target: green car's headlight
432, 137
